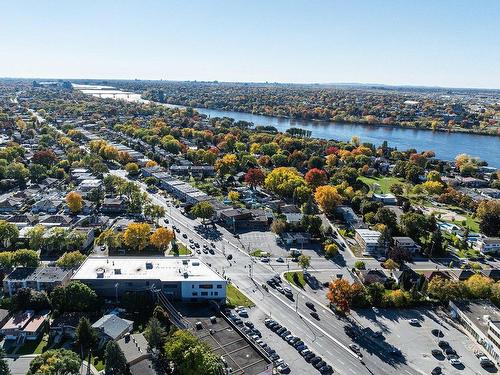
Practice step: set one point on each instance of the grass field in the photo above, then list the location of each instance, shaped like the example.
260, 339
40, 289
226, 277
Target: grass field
385, 183
235, 298
33, 347
296, 278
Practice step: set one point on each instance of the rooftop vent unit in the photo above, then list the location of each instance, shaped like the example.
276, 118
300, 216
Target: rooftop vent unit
100, 273
149, 265
186, 275
185, 261
195, 263
118, 271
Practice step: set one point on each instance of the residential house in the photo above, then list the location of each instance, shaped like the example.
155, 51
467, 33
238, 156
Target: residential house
368, 277
490, 193
408, 278
50, 221
368, 240
472, 182
461, 274
488, 245
349, 216
114, 205
112, 327
26, 325
492, 273
389, 199
22, 220
38, 278
10, 205
136, 351
292, 213
49, 205
295, 238
406, 243
429, 275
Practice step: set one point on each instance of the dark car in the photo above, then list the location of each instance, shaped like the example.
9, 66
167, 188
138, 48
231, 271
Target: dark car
230, 256
326, 369
436, 371
320, 364
443, 344
184, 235
314, 314
437, 333
311, 305
298, 343
316, 360
437, 352
309, 356
249, 324
396, 353
450, 351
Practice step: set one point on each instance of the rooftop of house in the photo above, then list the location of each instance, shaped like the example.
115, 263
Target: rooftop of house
40, 274
113, 325
150, 268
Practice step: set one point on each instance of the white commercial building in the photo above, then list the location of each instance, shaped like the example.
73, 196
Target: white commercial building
178, 278
368, 240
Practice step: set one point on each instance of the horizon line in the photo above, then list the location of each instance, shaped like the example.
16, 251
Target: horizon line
401, 85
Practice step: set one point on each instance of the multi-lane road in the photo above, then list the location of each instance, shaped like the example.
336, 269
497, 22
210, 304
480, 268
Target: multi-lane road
325, 336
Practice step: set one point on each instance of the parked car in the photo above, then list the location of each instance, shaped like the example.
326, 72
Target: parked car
437, 352
414, 322
280, 260
455, 362
436, 371
443, 344
437, 333
355, 348
230, 256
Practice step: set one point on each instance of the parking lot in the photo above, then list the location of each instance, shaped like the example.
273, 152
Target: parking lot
417, 341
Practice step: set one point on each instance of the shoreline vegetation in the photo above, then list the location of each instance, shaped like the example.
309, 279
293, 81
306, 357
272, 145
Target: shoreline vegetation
333, 122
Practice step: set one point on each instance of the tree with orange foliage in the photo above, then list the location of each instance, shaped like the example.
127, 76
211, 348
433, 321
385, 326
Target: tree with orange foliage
340, 294
315, 177
161, 238
254, 177
74, 202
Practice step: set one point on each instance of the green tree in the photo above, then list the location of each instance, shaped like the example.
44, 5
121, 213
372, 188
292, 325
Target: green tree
155, 334
35, 237
4, 366
25, 258
331, 250
86, 336
8, 233
116, 363
203, 210
75, 296
304, 261
55, 362
70, 259
108, 238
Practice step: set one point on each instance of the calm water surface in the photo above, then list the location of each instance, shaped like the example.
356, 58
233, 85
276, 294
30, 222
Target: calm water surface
445, 145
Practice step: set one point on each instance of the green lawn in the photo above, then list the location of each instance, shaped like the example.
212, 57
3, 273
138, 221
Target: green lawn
236, 298
33, 347
98, 363
181, 250
385, 183
296, 278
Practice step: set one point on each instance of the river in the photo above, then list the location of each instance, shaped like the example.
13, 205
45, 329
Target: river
445, 145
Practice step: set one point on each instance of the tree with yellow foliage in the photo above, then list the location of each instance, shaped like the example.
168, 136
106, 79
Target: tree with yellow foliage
233, 196
74, 202
136, 235
327, 198
433, 187
161, 238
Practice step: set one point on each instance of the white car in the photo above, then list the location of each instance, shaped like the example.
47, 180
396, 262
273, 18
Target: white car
455, 362
414, 322
283, 367
375, 310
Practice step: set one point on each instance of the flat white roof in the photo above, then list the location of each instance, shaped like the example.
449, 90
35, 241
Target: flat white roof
145, 268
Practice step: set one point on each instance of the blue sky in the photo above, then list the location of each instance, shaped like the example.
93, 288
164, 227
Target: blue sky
418, 42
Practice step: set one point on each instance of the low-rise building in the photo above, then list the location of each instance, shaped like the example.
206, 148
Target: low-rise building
482, 320
406, 243
385, 198
37, 278
292, 213
295, 238
368, 240
112, 327
26, 325
113, 205
488, 245
177, 278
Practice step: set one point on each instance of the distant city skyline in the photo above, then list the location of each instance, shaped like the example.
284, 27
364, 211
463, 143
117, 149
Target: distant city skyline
450, 43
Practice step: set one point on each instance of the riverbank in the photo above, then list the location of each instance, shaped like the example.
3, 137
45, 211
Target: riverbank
446, 145
359, 121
